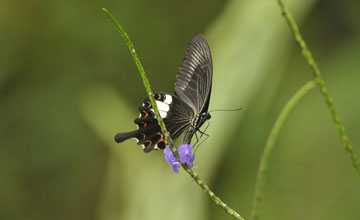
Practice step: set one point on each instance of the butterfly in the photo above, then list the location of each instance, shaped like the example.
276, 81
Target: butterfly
184, 112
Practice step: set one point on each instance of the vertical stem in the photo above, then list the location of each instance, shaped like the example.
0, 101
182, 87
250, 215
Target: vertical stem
321, 84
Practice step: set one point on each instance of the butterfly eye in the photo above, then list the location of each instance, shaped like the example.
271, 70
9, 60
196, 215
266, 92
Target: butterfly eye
208, 116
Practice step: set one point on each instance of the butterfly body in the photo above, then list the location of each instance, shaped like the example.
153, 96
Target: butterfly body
184, 112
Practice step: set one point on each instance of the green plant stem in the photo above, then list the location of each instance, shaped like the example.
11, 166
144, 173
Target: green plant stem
197, 179
321, 84
260, 180
144, 78
210, 193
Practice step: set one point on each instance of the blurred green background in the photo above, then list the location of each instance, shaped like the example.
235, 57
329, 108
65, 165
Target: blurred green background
68, 84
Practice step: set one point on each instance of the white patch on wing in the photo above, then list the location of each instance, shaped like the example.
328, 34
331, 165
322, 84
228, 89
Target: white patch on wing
168, 99
162, 106
163, 114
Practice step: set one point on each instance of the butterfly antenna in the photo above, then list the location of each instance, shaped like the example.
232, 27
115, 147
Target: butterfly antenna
226, 110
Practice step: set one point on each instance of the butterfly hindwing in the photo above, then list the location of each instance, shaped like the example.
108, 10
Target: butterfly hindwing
175, 113
179, 117
151, 137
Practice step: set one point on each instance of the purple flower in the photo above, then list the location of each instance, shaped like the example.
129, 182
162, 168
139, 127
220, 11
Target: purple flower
171, 159
186, 155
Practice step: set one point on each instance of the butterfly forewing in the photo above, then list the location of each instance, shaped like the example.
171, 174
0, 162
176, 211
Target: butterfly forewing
193, 82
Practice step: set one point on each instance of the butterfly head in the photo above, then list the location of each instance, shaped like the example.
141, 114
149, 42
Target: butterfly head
205, 116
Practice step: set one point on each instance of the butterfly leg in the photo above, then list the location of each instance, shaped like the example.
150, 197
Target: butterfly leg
202, 133
197, 146
197, 140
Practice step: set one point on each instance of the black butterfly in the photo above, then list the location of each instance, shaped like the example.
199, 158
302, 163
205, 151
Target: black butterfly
185, 111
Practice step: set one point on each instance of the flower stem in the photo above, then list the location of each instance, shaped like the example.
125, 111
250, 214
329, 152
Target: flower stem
321, 84
260, 180
211, 194
144, 78
206, 189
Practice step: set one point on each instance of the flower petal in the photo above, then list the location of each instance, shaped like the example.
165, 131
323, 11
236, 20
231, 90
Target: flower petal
186, 156
171, 159
175, 167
